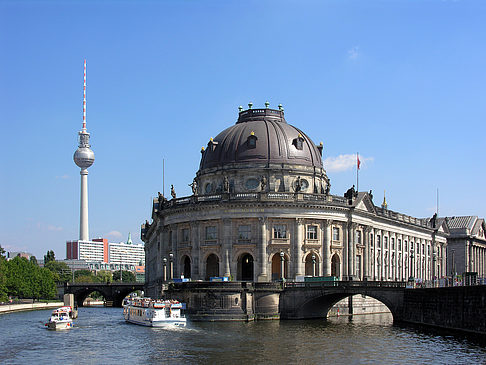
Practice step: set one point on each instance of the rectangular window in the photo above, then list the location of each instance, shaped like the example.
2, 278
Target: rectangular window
378, 241
185, 235
371, 240
399, 245
280, 231
393, 243
405, 246
244, 232
358, 237
335, 233
311, 232
211, 233
385, 242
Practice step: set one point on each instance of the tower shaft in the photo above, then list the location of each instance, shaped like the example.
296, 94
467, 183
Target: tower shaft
83, 213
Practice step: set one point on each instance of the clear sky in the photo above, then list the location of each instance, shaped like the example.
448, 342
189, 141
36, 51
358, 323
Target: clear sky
401, 82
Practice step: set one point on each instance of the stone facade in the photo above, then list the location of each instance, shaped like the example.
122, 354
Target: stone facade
466, 245
261, 205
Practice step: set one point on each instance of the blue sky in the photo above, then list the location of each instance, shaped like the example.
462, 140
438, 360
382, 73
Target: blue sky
401, 82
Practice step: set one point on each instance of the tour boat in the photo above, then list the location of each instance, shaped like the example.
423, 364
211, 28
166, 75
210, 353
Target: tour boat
61, 319
154, 313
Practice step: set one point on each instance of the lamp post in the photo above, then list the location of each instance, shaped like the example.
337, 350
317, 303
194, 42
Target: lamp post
411, 263
282, 264
171, 256
313, 265
434, 260
453, 267
165, 268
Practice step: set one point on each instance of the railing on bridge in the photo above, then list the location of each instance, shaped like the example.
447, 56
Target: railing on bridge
345, 284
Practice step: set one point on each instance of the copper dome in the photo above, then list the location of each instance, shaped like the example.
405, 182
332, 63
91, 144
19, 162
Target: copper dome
261, 136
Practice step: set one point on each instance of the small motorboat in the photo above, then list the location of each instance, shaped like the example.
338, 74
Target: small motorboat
61, 319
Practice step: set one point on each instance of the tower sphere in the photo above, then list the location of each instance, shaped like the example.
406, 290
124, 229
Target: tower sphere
84, 157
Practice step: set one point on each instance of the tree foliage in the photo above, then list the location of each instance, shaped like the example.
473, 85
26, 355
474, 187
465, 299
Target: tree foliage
62, 272
23, 279
49, 256
3, 276
127, 276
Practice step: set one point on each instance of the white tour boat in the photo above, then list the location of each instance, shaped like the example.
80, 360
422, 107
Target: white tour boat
61, 319
154, 313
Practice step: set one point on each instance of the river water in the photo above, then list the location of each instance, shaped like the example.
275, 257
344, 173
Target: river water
101, 336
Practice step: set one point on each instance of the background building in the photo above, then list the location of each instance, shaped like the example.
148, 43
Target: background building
466, 245
261, 210
99, 254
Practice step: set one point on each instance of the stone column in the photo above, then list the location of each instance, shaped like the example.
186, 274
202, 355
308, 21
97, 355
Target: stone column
175, 261
345, 252
298, 246
195, 271
261, 269
326, 248
351, 251
227, 246
366, 252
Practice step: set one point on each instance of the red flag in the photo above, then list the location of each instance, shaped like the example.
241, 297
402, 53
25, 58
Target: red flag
359, 162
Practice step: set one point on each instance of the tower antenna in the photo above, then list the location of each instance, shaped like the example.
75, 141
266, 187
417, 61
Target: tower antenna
84, 97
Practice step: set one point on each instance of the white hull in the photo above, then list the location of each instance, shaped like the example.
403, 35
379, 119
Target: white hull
154, 313
60, 325
181, 322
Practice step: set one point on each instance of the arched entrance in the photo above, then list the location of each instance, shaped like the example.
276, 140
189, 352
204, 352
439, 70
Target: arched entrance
245, 267
312, 264
212, 266
277, 266
335, 266
186, 266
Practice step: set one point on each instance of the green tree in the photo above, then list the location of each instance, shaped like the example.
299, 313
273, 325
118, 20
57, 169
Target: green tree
33, 260
62, 272
49, 257
3, 276
47, 284
19, 279
127, 276
84, 276
27, 280
104, 276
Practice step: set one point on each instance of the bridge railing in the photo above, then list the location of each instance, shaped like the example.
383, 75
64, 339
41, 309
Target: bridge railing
347, 284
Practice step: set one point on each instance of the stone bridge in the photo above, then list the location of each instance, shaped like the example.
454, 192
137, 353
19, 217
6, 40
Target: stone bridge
112, 292
315, 299
216, 301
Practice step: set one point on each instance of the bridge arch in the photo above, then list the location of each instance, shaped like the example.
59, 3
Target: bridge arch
113, 293
315, 302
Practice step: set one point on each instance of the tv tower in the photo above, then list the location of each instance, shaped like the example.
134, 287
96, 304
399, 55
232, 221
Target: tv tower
84, 158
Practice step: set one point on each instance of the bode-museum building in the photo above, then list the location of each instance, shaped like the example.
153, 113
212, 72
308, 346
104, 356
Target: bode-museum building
262, 202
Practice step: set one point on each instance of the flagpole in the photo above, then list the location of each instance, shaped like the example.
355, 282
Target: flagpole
357, 172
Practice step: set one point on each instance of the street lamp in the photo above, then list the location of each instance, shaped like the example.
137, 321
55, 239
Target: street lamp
453, 267
171, 256
434, 260
165, 268
411, 263
313, 265
282, 263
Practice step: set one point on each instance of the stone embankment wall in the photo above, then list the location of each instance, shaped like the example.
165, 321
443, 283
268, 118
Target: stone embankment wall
458, 308
8, 308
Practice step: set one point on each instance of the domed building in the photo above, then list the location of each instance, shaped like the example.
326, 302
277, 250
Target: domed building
261, 210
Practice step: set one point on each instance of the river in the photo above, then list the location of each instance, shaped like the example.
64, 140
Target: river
101, 336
